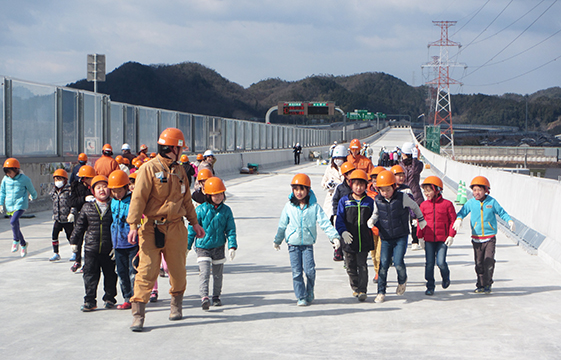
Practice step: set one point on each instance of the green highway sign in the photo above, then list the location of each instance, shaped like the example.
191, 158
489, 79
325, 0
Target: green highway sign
364, 115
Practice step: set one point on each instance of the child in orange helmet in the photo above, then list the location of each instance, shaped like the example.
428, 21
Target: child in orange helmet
62, 211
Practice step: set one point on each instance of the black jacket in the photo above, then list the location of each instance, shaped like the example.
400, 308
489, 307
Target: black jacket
78, 194
97, 229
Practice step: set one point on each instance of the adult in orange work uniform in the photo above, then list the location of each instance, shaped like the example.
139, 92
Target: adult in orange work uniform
360, 162
105, 165
161, 193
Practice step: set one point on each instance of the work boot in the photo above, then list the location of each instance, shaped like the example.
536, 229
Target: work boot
138, 312
176, 307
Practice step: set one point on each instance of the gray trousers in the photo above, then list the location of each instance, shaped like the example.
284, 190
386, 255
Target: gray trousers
210, 260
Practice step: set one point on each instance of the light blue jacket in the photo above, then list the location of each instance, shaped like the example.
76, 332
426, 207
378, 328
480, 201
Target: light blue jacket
13, 192
483, 216
219, 227
297, 226
119, 227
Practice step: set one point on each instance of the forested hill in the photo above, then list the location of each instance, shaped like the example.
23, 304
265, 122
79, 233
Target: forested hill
194, 88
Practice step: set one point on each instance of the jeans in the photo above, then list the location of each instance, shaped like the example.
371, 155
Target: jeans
393, 248
302, 262
357, 269
125, 270
14, 222
435, 251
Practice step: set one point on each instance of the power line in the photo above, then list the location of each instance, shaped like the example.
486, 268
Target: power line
516, 77
474, 15
510, 43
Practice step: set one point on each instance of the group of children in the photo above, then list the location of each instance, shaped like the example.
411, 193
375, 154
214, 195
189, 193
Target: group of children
373, 213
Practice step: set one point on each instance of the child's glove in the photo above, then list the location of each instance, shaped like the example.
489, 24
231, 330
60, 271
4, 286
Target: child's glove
336, 244
232, 253
1, 209
512, 226
457, 224
90, 198
347, 237
449, 241
70, 218
422, 243
74, 248
30, 197
276, 246
112, 254
370, 223
422, 224
414, 222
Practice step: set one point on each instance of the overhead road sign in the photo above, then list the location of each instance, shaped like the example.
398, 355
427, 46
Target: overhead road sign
365, 115
306, 108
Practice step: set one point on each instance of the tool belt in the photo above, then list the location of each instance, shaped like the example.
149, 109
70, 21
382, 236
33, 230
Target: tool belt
160, 237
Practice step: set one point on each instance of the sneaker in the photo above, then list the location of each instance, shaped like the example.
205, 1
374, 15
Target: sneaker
55, 257
415, 246
109, 305
479, 290
154, 296
380, 298
445, 283
24, 250
487, 289
401, 288
355, 294
302, 302
362, 297
87, 307
205, 303
15, 246
72, 257
310, 297
124, 306
162, 273
216, 301
338, 257
81, 271
75, 267
429, 292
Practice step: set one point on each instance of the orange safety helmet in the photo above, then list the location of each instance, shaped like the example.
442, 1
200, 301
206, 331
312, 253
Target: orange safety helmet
396, 169
214, 185
204, 174
61, 173
346, 167
172, 137
119, 159
153, 155
86, 171
82, 157
143, 147
11, 163
97, 179
301, 179
478, 180
126, 161
184, 158
359, 175
433, 180
376, 171
146, 159
355, 144
137, 163
133, 175
107, 147
200, 157
117, 179
385, 178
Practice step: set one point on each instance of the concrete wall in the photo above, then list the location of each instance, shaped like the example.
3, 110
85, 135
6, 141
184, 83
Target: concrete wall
534, 203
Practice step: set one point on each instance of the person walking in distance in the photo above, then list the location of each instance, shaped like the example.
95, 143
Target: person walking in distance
161, 193
297, 150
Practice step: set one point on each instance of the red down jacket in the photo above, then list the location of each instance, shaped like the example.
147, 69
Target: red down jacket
440, 215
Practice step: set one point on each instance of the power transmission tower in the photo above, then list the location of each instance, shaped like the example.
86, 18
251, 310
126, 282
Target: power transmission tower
442, 81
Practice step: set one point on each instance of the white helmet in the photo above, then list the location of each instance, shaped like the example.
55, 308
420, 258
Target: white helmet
335, 142
208, 153
125, 147
339, 151
407, 148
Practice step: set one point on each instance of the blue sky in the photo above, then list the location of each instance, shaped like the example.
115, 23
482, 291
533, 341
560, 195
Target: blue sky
251, 40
